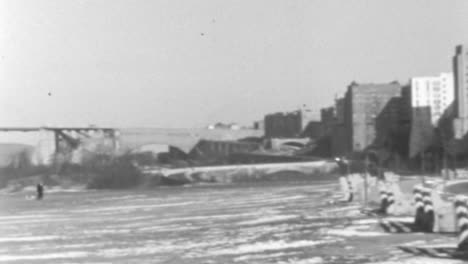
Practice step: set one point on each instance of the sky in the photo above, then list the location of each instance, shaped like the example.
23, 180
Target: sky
185, 63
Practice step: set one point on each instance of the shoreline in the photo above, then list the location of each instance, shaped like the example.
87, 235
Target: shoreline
81, 188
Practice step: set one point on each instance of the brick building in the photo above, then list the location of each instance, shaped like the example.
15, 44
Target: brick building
370, 110
287, 125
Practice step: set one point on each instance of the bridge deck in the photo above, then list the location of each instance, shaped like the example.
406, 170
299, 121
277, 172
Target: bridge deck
29, 129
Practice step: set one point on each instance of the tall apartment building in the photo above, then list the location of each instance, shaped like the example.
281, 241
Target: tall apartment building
460, 70
370, 109
433, 92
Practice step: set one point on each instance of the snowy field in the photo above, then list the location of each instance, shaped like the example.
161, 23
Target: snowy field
274, 223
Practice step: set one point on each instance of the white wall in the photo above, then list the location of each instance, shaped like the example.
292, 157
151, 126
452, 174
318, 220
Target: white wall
437, 92
42, 142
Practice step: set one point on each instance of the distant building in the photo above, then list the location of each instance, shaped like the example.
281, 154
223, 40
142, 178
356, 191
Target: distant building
340, 109
327, 114
328, 119
231, 126
368, 106
460, 70
393, 126
339, 139
211, 149
403, 129
259, 125
287, 125
434, 92
405, 106
314, 130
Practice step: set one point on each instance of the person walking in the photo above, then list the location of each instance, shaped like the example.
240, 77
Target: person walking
40, 191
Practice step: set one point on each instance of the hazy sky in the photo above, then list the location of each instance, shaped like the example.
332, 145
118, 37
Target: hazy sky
184, 63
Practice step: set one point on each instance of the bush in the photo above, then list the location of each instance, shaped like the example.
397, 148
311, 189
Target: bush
107, 172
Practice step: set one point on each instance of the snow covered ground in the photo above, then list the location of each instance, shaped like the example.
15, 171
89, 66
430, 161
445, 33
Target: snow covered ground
268, 223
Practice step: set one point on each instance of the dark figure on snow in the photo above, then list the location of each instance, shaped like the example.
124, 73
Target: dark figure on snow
40, 191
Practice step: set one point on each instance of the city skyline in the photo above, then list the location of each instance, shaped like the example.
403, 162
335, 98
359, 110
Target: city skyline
166, 64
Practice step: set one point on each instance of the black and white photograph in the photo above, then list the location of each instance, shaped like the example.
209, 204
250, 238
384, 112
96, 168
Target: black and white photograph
234, 131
